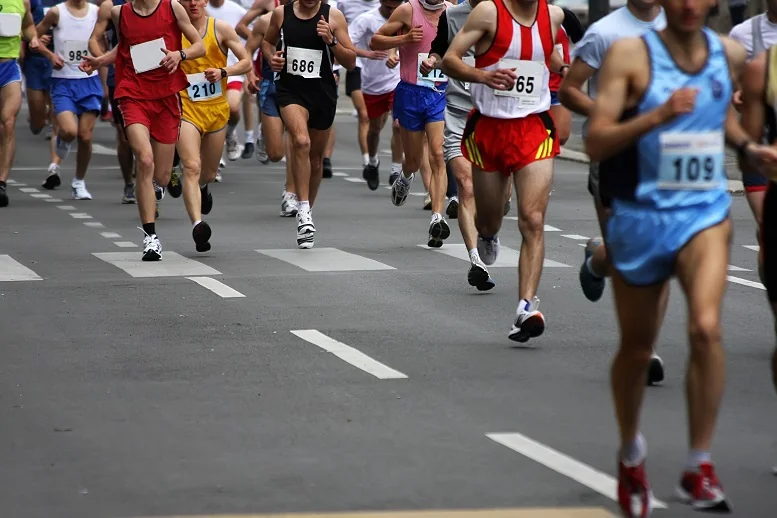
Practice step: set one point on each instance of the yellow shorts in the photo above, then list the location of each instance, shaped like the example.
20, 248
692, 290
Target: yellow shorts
206, 117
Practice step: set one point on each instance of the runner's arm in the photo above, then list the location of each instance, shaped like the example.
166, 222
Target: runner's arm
588, 57
197, 47
98, 33
254, 42
272, 34
441, 40
344, 51
229, 39
50, 20
479, 23
28, 24
607, 135
753, 95
387, 38
259, 8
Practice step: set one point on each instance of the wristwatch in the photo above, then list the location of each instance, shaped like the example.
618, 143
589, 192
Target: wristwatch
223, 72
183, 55
334, 41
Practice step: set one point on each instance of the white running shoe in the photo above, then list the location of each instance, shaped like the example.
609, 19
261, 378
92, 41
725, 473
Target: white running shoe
488, 249
261, 152
529, 322
400, 189
79, 190
306, 231
152, 248
289, 205
234, 150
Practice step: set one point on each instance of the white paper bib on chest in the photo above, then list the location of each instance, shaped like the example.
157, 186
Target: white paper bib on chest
10, 25
691, 161
468, 60
528, 86
435, 75
75, 51
147, 56
305, 63
200, 89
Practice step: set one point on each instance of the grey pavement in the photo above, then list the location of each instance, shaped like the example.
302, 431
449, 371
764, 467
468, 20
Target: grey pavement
265, 385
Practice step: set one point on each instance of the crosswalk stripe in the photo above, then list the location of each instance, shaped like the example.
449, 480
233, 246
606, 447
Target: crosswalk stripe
217, 287
29, 189
752, 247
508, 258
171, 265
325, 260
12, 271
745, 282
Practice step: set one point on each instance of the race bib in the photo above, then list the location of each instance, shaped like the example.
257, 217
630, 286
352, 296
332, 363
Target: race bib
146, 56
468, 60
691, 161
10, 25
435, 75
528, 86
75, 51
200, 89
305, 63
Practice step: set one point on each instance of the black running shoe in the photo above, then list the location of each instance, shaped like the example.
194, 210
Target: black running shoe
201, 234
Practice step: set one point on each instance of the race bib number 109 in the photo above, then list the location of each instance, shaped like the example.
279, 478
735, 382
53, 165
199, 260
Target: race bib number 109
528, 85
305, 63
691, 161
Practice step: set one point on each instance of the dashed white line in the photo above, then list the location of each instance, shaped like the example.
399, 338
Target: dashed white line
354, 180
80, 215
19, 184
110, 235
745, 282
94, 224
53, 200
733, 268
417, 194
11, 182
753, 247
41, 196
349, 355
29, 189
125, 244
217, 287
576, 237
338, 173
602, 483
66, 207
549, 228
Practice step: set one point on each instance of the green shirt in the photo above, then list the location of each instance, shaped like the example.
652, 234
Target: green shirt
10, 46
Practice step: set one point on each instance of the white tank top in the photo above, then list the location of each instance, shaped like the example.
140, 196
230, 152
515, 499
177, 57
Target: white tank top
230, 12
71, 40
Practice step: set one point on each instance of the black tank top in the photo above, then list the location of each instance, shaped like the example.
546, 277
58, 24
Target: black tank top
300, 42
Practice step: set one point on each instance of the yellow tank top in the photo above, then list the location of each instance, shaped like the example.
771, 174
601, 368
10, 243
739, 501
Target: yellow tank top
200, 91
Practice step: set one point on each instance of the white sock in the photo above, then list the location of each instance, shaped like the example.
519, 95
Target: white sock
396, 167
406, 178
197, 223
697, 457
250, 136
231, 129
474, 256
259, 131
366, 158
304, 206
635, 452
373, 160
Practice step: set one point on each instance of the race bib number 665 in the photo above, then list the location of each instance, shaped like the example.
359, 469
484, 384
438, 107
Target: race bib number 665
528, 85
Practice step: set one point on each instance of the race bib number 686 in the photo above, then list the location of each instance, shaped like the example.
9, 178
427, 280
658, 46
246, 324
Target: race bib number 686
305, 63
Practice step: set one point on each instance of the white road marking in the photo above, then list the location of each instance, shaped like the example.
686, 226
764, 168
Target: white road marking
349, 355
733, 268
125, 244
110, 235
12, 271
172, 265
94, 224
19, 184
99, 149
11, 182
508, 258
547, 228
354, 180
417, 194
576, 237
53, 200
41, 196
29, 189
80, 215
91, 168
217, 287
66, 207
602, 483
752, 247
745, 282
338, 173
325, 260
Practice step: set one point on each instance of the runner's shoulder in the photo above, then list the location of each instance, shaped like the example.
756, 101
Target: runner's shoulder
483, 15
736, 54
628, 55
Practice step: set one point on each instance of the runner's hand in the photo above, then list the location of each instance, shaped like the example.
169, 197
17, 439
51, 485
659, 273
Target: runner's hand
681, 102
89, 64
277, 61
34, 44
325, 31
171, 60
427, 65
392, 62
56, 62
415, 35
253, 83
45, 40
763, 158
213, 75
379, 54
501, 79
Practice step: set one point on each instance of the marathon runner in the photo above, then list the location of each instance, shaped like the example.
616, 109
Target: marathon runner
510, 134
206, 112
148, 80
16, 22
658, 128
632, 20
313, 36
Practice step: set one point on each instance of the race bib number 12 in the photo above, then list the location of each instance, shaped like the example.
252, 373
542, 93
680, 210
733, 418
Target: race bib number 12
200, 89
528, 86
691, 161
435, 75
468, 60
305, 63
75, 51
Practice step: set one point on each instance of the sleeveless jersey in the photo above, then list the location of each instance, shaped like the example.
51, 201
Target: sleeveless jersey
770, 96
135, 29
308, 67
527, 49
12, 12
112, 34
71, 40
457, 92
562, 46
680, 163
200, 90
38, 12
408, 53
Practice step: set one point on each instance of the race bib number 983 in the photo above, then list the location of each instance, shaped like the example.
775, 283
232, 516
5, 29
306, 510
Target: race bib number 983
75, 51
200, 89
305, 63
528, 85
691, 161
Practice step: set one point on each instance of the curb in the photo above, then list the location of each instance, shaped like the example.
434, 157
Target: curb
570, 155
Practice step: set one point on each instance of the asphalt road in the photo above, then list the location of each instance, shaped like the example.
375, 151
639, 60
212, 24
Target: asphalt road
254, 379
